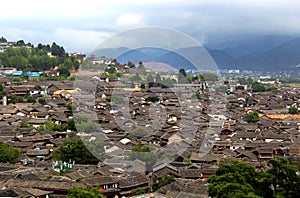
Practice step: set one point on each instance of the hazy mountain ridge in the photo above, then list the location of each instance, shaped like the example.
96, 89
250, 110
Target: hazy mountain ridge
267, 55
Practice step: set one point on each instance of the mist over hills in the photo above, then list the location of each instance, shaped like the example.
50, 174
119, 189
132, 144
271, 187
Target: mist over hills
262, 54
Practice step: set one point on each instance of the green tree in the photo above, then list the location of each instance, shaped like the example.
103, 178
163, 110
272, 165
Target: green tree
2, 92
18, 61
75, 150
187, 160
111, 69
87, 127
71, 107
157, 78
51, 126
68, 63
63, 71
25, 124
281, 105
136, 78
56, 50
139, 132
144, 154
2, 39
131, 64
78, 118
209, 76
182, 77
20, 43
15, 99
284, 179
167, 83
41, 100
235, 179
152, 99
232, 107
9, 153
141, 68
70, 125
24, 51
88, 192
138, 191
273, 89
150, 80
252, 117
30, 99
238, 179
258, 87
293, 110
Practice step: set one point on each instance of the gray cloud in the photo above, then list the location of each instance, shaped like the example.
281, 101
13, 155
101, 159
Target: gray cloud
82, 25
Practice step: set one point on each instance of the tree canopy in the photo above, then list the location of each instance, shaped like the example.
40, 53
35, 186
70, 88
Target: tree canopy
76, 149
9, 153
88, 192
252, 116
293, 110
258, 87
238, 179
182, 77
144, 154
2, 39
84, 124
37, 58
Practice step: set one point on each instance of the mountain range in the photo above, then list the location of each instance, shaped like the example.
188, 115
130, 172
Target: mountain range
263, 54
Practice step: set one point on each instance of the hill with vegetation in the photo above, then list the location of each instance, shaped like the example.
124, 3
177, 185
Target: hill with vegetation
27, 57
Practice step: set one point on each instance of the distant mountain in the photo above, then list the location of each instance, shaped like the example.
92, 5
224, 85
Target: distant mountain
141, 54
223, 59
261, 55
109, 52
279, 57
241, 46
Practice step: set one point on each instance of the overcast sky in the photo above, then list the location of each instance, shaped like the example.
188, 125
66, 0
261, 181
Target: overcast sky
82, 25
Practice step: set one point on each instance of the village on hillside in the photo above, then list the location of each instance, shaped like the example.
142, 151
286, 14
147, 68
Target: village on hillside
129, 131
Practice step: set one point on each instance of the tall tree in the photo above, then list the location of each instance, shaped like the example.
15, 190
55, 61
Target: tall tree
20, 43
182, 77
150, 80
2, 39
284, 179
141, 68
157, 78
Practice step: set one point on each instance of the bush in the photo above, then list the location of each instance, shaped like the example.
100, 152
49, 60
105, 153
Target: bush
281, 105
187, 160
88, 192
42, 101
293, 110
71, 107
9, 153
15, 99
152, 99
76, 150
30, 99
252, 117
258, 87
138, 191
232, 107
